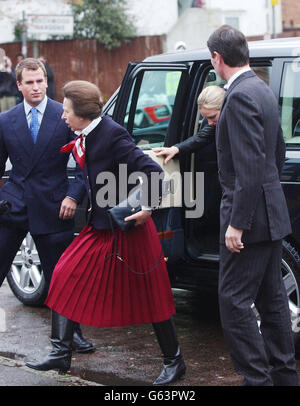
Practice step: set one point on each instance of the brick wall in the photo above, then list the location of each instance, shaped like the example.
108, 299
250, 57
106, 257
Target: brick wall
89, 60
290, 10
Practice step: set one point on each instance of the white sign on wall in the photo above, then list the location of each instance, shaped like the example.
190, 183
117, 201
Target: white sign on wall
47, 25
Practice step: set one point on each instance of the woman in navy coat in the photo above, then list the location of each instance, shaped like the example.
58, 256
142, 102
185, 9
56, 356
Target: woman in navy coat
90, 284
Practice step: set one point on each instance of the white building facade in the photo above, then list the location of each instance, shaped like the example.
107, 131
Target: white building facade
177, 20
182, 23
153, 17
11, 12
253, 18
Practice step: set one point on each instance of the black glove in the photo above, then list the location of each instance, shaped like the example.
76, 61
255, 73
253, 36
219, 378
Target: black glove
5, 206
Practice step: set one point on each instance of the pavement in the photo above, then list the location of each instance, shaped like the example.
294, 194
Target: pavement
24, 335
15, 373
125, 356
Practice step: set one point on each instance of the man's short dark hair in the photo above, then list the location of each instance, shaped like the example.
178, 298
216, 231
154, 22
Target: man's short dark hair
231, 44
29, 64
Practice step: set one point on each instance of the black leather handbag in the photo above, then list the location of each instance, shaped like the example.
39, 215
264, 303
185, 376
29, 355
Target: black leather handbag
117, 215
126, 208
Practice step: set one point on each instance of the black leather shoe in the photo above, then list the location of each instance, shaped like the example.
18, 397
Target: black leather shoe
79, 343
174, 368
54, 361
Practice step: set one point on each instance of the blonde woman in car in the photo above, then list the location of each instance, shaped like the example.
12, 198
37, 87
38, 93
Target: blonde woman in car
209, 104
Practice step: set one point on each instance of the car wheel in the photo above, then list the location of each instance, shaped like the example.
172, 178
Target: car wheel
290, 267
26, 278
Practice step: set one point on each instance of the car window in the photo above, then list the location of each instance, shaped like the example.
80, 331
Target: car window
109, 107
213, 79
155, 94
290, 104
263, 72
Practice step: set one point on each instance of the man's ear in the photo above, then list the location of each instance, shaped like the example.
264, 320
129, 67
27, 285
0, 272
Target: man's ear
218, 57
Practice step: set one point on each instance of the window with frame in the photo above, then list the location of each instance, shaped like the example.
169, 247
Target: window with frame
213, 79
150, 106
290, 103
233, 21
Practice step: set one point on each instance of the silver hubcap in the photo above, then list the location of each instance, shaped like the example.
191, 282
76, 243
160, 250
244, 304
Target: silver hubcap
26, 268
292, 291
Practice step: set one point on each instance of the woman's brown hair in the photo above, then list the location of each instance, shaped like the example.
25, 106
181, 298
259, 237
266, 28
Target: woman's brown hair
85, 98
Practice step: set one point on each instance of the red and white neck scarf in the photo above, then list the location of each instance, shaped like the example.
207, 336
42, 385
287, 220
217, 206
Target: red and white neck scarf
77, 146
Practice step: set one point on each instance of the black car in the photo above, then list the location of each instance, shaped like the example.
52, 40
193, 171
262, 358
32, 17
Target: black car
157, 103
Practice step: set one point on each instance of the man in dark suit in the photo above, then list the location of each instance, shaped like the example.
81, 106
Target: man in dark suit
43, 201
253, 219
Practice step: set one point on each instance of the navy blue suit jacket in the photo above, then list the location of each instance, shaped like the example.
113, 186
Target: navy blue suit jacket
38, 180
108, 146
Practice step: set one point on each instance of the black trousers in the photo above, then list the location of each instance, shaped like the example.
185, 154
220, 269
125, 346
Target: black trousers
265, 355
49, 246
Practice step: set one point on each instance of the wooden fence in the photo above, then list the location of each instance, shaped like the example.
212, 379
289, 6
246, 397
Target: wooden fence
88, 59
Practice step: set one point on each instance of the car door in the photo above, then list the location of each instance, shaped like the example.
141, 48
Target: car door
289, 105
151, 105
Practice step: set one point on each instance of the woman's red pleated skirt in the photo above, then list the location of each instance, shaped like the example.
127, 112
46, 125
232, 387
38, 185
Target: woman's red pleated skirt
91, 286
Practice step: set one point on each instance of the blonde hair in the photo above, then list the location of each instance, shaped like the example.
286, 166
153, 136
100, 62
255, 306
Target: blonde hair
211, 98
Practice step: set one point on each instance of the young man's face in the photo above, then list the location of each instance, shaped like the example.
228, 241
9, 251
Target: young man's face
33, 86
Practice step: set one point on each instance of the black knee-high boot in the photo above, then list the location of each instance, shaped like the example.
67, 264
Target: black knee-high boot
61, 339
79, 343
174, 366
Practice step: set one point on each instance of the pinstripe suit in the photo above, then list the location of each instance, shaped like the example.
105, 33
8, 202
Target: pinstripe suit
251, 153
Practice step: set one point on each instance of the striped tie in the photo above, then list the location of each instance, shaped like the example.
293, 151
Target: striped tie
34, 124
